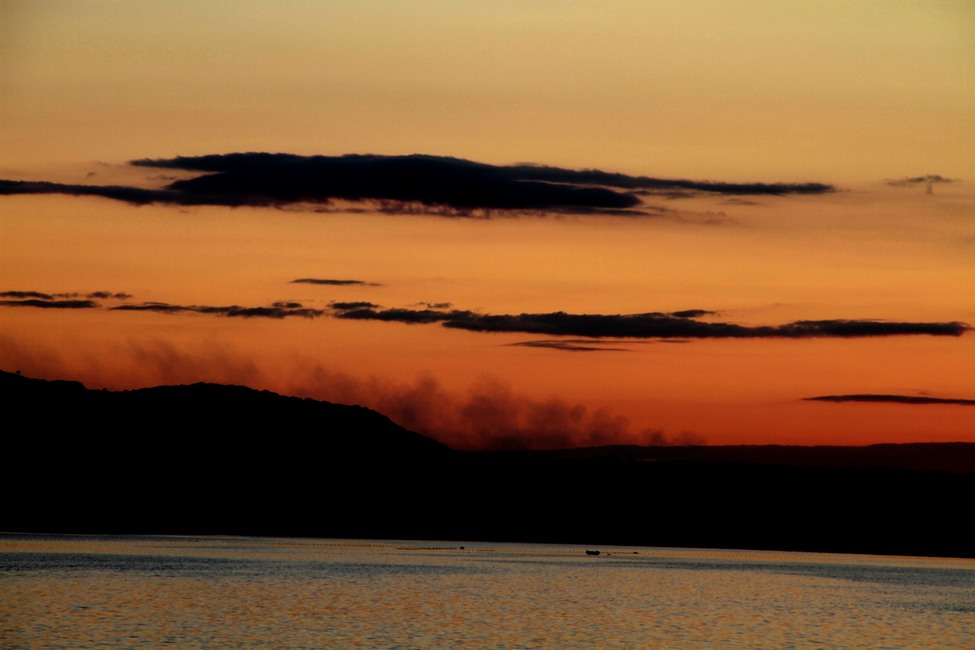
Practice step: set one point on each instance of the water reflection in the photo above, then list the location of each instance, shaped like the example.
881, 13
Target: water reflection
60, 591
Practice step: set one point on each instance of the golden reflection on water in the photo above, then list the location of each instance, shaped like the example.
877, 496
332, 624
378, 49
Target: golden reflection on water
148, 592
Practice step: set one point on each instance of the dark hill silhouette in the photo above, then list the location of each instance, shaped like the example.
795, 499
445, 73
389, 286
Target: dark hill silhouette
211, 419
211, 459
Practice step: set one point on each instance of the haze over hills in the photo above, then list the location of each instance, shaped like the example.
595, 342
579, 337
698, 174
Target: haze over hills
213, 459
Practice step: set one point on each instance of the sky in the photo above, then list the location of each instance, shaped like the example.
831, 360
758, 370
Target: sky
509, 224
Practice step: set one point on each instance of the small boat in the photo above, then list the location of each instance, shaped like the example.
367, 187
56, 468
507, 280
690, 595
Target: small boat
592, 552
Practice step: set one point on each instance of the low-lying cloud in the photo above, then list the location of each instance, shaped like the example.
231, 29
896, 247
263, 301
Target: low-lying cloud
571, 345
930, 179
443, 185
896, 399
488, 415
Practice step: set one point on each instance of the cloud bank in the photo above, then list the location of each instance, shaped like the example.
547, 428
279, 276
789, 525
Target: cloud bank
450, 186
681, 324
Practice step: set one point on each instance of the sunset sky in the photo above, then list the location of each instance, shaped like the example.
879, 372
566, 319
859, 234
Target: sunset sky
786, 211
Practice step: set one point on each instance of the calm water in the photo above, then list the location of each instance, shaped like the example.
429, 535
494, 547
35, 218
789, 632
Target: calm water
214, 592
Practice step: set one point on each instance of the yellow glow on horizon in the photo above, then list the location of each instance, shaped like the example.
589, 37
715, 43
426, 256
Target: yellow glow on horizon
747, 91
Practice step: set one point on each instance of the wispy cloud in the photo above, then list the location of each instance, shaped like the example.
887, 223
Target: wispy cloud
897, 399
443, 185
72, 300
276, 310
134, 195
572, 345
40, 295
489, 414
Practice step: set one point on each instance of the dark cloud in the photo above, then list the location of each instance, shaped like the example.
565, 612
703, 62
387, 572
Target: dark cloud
693, 313
647, 325
56, 300
679, 325
134, 195
26, 294
276, 310
47, 300
655, 325
920, 180
737, 201
449, 186
50, 304
334, 283
428, 180
596, 177
570, 345
350, 306
861, 328
161, 307
899, 399
409, 316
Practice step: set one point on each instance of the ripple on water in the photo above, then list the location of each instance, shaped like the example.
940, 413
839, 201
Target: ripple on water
238, 592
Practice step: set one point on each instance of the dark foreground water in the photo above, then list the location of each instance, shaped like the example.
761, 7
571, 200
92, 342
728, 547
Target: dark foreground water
214, 592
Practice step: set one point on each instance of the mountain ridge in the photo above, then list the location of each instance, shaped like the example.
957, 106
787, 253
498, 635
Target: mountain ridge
212, 459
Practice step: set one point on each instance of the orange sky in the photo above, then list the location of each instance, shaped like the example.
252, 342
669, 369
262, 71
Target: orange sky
849, 94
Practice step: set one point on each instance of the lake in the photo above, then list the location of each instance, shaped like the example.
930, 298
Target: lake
61, 591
